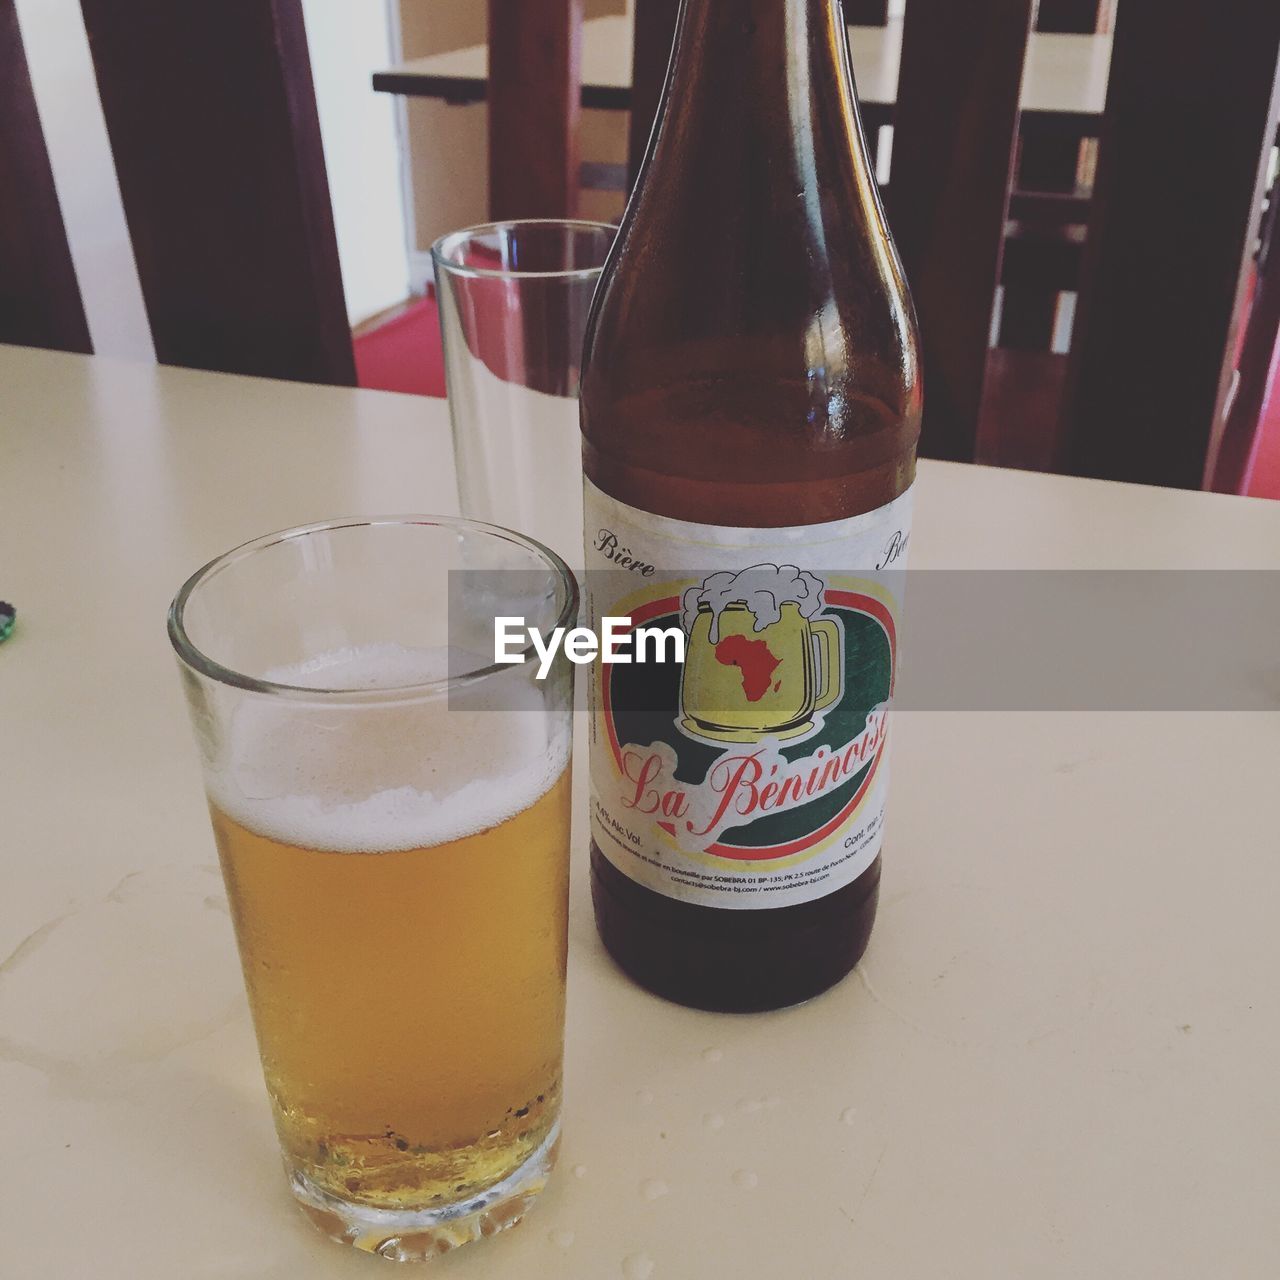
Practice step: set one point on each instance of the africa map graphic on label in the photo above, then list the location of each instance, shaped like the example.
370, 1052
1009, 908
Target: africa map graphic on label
755, 660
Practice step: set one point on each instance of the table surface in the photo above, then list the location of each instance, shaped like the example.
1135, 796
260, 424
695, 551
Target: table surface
1057, 1058
1064, 73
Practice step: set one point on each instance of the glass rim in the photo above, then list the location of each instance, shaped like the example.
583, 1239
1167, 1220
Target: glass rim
443, 246
197, 660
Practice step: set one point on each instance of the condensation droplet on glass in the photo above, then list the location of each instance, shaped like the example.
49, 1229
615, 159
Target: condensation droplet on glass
745, 1180
644, 1097
849, 1115
561, 1237
653, 1188
637, 1266
579, 1170
712, 1055
713, 1120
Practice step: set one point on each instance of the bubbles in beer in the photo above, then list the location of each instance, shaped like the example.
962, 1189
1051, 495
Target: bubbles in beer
404, 773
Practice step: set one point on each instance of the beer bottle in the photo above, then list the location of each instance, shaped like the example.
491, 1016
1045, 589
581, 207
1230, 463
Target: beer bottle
750, 408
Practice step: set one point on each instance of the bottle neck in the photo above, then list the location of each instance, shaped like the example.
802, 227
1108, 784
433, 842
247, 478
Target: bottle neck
773, 73
796, 46
756, 196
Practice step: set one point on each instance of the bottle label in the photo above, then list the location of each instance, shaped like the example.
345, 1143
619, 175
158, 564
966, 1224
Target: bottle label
753, 774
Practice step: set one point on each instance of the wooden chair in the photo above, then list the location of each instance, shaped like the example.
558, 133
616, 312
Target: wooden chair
213, 125
1190, 116
867, 13
955, 129
212, 117
1256, 393
535, 103
1190, 120
1047, 165
40, 304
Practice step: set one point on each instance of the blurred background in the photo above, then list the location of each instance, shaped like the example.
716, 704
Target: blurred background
402, 171
256, 189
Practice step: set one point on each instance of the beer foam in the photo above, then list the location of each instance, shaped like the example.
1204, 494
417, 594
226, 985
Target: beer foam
762, 588
409, 773
375, 666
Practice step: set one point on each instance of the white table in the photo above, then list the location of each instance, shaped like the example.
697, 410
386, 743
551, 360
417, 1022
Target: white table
1065, 74
1057, 1060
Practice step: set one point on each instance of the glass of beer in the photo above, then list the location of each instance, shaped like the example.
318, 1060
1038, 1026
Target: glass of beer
391, 810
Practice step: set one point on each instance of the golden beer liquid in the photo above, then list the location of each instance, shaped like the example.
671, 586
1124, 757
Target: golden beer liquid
409, 1005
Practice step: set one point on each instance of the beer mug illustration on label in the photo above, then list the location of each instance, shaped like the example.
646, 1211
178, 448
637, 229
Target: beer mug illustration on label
759, 663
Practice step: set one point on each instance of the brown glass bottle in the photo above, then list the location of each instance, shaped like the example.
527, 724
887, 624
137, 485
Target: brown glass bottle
750, 362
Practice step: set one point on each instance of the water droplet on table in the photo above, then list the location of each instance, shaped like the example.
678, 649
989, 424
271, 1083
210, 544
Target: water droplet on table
561, 1237
644, 1097
712, 1055
713, 1120
653, 1188
749, 1105
579, 1170
746, 1180
637, 1266
849, 1115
